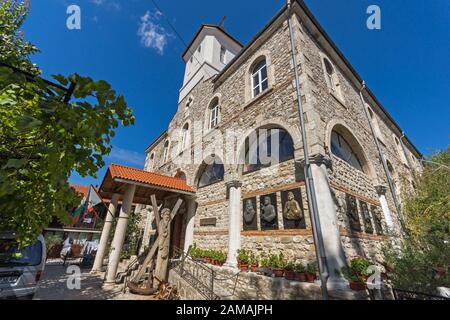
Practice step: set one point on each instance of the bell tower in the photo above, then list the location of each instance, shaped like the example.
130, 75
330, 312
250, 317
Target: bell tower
211, 49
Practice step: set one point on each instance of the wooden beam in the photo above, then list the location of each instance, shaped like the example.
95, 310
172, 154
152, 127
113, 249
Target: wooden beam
155, 210
175, 208
152, 251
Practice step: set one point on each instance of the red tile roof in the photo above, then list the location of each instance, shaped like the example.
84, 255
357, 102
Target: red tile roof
82, 190
151, 178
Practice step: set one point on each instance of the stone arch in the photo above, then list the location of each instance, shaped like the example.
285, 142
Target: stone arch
343, 129
180, 174
267, 124
258, 57
206, 161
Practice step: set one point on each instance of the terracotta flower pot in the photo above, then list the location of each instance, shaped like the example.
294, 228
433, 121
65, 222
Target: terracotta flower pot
253, 267
310, 277
243, 267
300, 276
278, 273
289, 275
355, 286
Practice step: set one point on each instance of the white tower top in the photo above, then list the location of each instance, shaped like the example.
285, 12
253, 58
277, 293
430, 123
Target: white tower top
208, 53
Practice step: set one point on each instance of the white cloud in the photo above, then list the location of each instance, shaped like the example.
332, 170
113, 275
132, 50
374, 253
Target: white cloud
127, 157
111, 5
151, 33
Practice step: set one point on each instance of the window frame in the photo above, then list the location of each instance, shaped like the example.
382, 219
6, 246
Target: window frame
257, 71
283, 134
203, 172
214, 110
185, 137
166, 148
351, 151
222, 55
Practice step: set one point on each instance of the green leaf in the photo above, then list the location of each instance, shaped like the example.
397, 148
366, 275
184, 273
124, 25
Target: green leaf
15, 163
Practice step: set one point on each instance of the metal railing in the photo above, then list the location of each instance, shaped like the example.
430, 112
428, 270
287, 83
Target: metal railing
198, 275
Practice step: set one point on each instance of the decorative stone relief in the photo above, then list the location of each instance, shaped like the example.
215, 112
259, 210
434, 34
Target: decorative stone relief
293, 215
368, 228
377, 219
249, 220
269, 215
352, 213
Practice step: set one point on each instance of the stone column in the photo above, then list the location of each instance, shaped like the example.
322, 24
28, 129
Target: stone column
381, 190
234, 223
119, 235
190, 219
103, 245
328, 221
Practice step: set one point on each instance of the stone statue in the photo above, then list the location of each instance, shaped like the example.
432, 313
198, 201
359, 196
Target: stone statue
352, 213
377, 220
249, 212
163, 246
268, 213
292, 210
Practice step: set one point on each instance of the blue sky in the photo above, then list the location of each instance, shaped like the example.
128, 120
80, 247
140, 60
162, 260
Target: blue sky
130, 45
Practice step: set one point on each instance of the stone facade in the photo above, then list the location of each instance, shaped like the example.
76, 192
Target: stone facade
276, 107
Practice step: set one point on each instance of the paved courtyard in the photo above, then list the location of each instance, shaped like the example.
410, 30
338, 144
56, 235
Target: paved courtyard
55, 280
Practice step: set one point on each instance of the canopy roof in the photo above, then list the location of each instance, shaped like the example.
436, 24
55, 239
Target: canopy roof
147, 183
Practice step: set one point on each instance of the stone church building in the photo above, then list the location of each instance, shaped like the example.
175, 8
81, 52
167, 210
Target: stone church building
238, 111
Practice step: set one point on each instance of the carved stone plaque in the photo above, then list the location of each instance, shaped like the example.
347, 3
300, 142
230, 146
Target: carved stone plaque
352, 213
366, 217
249, 216
377, 219
268, 211
208, 222
293, 214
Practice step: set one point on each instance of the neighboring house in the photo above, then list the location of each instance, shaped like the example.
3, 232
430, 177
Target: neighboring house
85, 228
254, 205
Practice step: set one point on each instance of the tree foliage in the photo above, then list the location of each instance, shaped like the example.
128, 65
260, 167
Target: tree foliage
42, 138
423, 262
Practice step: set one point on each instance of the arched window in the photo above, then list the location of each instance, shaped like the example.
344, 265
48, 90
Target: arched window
400, 151
180, 175
259, 79
151, 161
266, 147
166, 151
332, 78
394, 178
342, 149
214, 113
211, 173
185, 138
375, 125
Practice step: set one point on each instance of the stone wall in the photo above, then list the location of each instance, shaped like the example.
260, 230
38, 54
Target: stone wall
277, 106
230, 285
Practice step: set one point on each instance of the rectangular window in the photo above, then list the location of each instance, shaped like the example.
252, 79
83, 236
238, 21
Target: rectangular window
223, 52
260, 81
214, 119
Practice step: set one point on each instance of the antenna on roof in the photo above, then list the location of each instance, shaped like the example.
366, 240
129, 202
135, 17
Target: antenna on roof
222, 22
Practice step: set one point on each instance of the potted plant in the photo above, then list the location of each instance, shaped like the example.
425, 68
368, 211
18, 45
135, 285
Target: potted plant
300, 272
221, 257
277, 264
356, 273
289, 272
264, 262
311, 272
243, 259
253, 261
